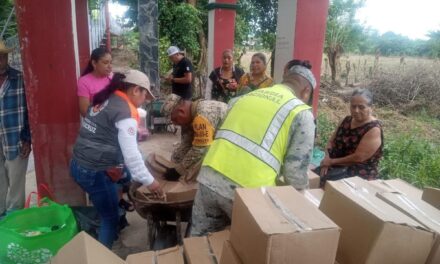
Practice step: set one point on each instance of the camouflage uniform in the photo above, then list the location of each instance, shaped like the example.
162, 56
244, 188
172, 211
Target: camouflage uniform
213, 202
189, 155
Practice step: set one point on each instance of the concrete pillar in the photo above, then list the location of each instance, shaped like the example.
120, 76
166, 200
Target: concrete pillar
149, 41
221, 29
49, 31
300, 35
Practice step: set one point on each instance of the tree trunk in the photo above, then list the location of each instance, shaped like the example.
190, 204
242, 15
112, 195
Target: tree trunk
333, 60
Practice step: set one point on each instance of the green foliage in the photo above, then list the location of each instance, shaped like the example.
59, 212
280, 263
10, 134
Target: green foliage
412, 158
164, 62
180, 23
434, 43
325, 130
343, 31
5, 10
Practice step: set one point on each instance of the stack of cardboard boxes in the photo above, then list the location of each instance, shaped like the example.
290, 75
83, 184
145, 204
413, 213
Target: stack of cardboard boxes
357, 222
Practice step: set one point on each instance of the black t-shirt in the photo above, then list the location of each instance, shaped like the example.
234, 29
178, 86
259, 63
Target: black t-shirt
182, 89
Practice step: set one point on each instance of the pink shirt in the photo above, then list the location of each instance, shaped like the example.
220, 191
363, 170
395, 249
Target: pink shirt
89, 85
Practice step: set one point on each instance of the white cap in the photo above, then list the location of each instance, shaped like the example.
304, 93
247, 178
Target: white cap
138, 78
172, 50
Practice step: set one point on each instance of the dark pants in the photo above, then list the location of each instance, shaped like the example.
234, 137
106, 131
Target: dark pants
104, 196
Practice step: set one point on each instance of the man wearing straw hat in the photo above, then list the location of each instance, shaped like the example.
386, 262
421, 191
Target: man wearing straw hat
15, 136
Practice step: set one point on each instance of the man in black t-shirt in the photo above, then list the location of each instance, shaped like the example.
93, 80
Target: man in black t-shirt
181, 77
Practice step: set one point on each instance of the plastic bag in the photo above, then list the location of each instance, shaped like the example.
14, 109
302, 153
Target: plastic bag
34, 235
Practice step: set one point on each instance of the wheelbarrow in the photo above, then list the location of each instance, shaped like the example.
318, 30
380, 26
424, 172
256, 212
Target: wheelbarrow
156, 122
157, 213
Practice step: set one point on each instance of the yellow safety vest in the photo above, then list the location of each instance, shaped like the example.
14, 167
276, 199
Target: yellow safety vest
250, 146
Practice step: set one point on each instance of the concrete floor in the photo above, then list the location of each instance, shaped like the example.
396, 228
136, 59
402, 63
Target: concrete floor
133, 238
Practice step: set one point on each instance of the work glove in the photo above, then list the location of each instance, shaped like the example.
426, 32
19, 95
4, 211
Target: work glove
171, 175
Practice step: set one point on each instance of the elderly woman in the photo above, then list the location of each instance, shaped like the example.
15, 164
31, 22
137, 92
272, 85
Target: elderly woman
106, 142
357, 145
225, 78
257, 77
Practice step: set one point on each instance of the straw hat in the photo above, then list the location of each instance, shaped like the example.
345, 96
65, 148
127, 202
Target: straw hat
3, 48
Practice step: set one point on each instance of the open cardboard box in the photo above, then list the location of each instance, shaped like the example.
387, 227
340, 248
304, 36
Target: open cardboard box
277, 225
420, 211
432, 196
372, 230
205, 250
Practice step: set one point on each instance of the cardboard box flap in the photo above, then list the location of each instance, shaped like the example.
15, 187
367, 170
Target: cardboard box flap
197, 251
84, 249
314, 179
289, 210
229, 256
397, 185
216, 241
419, 210
432, 196
314, 196
148, 257
356, 190
172, 255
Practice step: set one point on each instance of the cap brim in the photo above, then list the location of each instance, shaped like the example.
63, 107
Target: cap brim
5, 51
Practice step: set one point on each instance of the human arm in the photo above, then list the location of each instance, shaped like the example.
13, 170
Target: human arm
299, 151
132, 156
368, 145
84, 103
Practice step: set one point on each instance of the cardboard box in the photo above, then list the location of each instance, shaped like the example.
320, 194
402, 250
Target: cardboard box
420, 211
314, 196
84, 249
432, 196
172, 255
397, 185
278, 225
229, 256
205, 250
314, 179
176, 191
372, 230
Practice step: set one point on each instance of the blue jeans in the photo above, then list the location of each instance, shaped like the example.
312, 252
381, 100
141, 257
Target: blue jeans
104, 196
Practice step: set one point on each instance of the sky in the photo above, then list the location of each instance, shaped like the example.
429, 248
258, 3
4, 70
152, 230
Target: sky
411, 18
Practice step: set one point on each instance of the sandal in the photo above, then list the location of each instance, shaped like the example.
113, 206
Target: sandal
127, 206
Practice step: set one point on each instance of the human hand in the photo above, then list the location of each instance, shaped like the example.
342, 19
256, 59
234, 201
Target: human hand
232, 85
25, 149
155, 189
326, 162
172, 175
323, 171
169, 78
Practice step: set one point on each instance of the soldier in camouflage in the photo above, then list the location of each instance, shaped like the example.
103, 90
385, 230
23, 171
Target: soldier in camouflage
199, 121
213, 202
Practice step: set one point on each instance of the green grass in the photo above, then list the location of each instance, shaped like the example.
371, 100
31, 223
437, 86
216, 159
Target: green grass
411, 156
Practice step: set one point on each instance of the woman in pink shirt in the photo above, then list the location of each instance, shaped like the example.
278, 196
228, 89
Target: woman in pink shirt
95, 77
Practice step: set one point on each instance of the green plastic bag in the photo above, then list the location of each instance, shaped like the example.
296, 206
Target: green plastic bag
34, 235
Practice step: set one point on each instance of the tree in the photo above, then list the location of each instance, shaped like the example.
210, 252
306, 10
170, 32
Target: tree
434, 43
5, 11
343, 31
